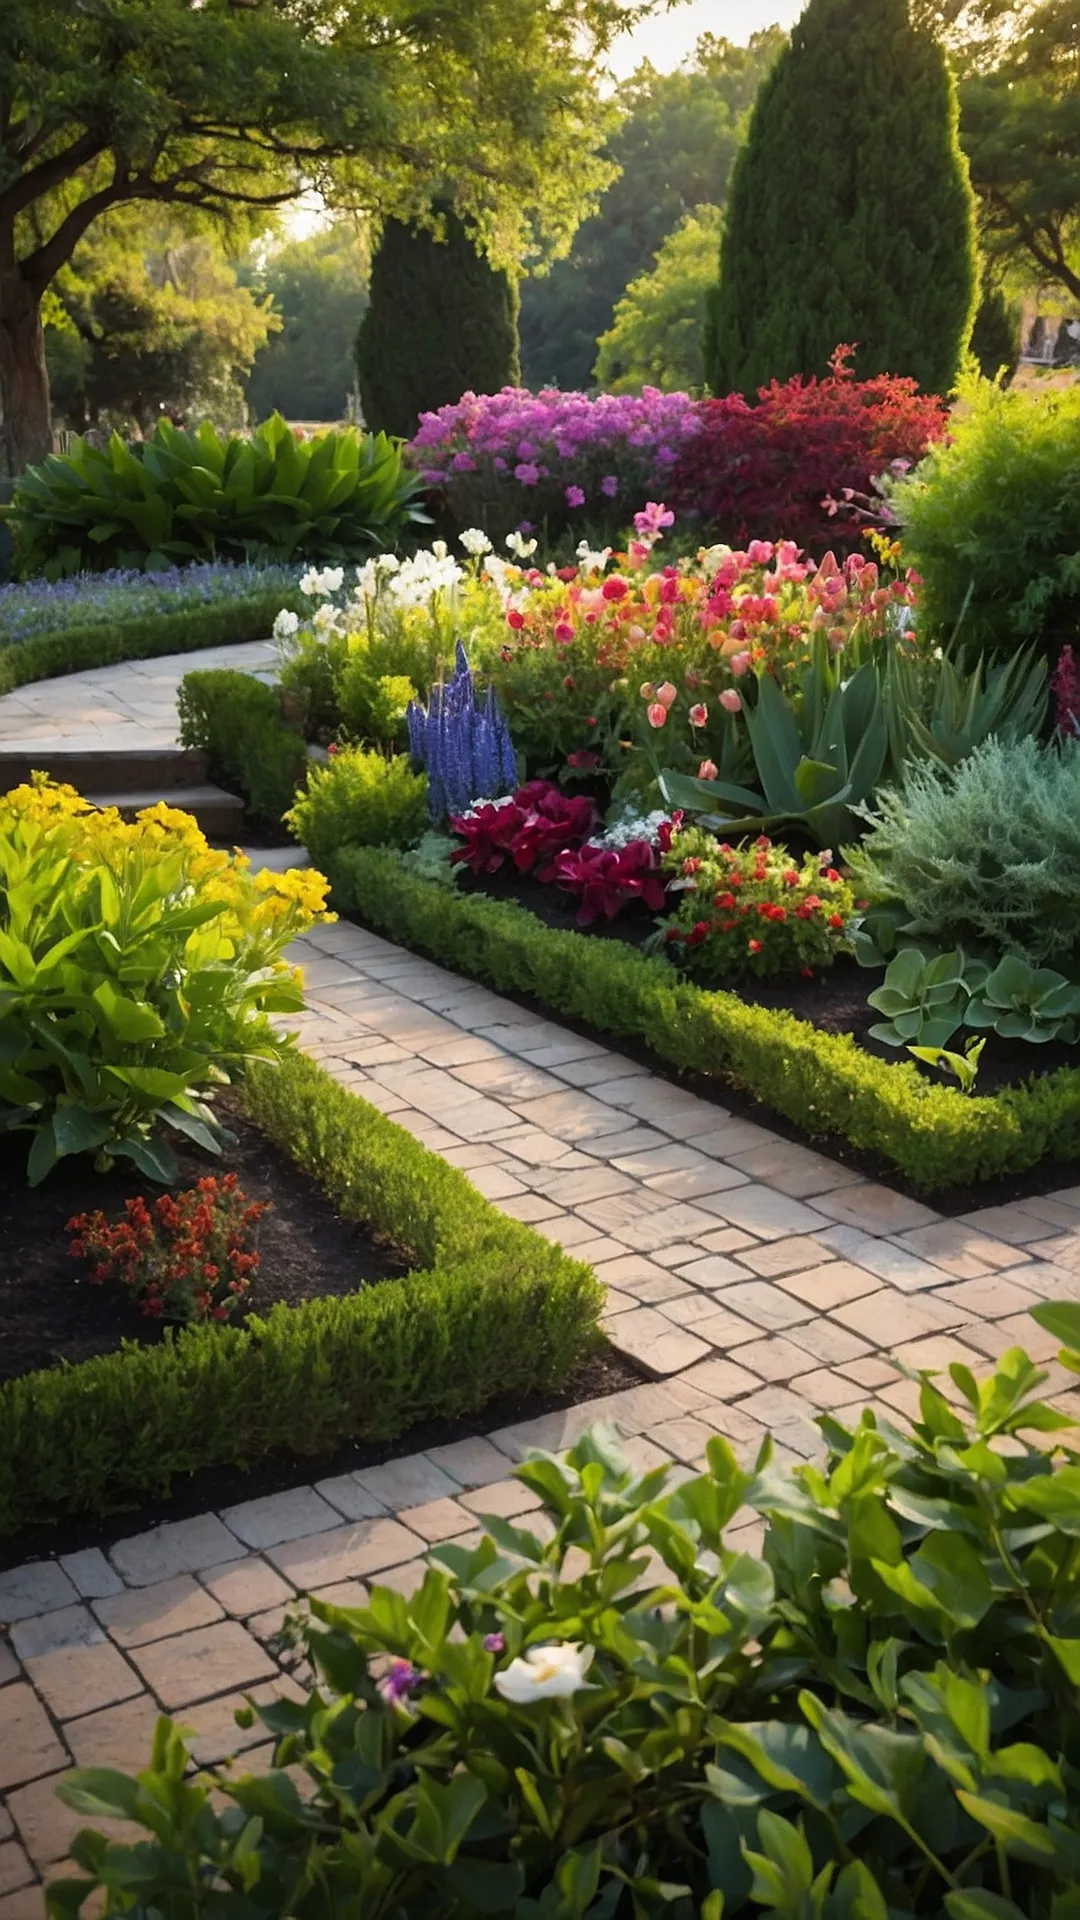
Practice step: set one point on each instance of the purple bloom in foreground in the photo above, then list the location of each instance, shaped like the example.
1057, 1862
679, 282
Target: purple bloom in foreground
398, 1682
494, 1643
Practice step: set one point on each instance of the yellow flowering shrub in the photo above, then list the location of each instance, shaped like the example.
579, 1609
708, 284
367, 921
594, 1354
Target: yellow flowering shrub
138, 968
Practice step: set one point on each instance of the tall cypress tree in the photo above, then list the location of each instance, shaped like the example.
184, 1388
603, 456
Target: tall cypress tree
441, 321
851, 216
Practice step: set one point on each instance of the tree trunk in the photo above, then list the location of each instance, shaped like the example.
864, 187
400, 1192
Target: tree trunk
25, 422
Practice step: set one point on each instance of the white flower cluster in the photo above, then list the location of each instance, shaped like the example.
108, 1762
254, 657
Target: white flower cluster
285, 626
592, 559
631, 826
518, 544
475, 542
413, 582
318, 585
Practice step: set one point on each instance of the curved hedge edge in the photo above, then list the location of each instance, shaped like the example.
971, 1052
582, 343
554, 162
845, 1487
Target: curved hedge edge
46, 656
935, 1135
496, 1310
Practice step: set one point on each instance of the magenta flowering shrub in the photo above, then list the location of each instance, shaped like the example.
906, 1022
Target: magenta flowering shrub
608, 878
555, 459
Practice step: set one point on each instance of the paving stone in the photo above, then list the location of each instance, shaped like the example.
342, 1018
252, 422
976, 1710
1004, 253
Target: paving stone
876, 1209
647, 1337
620, 1212
960, 1250
85, 1677
936, 1352
729, 1136
595, 1251
712, 1271
347, 1593
214, 1734
27, 1904
244, 1587
91, 1574
645, 1279
47, 1827
794, 1170
994, 1338
119, 1736
470, 1463
153, 1613
684, 1437
566, 1230
684, 1310
194, 1666
783, 1414
726, 1329
9, 1666
885, 1319
503, 1498
869, 1373
643, 1455
407, 1482
830, 1285
7, 1824
41, 1586
570, 1115
761, 1211
768, 1306
664, 1225
721, 1379
775, 1359
46, 1632
367, 1546
993, 1297
15, 1867
830, 1344
345, 1493
279, 1516
28, 1744
436, 1519
828, 1390
595, 1182
793, 1255
724, 1240
1020, 1224
1047, 1278
692, 1182
529, 1208
496, 1184
179, 1546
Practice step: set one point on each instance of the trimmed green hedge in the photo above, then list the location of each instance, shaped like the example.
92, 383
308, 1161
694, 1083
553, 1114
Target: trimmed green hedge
935, 1135
239, 723
75, 649
493, 1309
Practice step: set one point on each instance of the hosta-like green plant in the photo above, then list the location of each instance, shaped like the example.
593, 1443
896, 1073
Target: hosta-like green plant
1026, 1003
137, 970
183, 496
621, 1715
924, 998
817, 754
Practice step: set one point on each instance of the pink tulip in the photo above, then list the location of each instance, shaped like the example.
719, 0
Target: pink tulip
730, 701
739, 663
666, 694
699, 714
708, 770
656, 714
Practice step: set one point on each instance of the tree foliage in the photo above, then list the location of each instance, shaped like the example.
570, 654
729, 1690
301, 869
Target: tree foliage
655, 337
851, 217
228, 106
319, 287
675, 145
147, 319
442, 321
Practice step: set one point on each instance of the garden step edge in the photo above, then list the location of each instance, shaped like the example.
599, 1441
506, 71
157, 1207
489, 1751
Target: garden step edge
116, 770
219, 814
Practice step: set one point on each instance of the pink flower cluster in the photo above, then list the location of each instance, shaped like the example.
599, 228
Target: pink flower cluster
532, 827
554, 452
606, 879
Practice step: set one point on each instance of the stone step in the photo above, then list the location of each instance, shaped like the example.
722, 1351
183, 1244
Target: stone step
219, 814
115, 770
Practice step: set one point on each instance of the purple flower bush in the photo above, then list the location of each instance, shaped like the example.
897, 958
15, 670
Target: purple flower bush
558, 459
464, 746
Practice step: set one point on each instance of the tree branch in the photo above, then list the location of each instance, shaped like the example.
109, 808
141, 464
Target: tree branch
50, 173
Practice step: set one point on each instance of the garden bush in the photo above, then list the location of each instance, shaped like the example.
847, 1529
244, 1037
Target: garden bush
985, 853
991, 520
752, 909
239, 722
492, 1309
550, 460
638, 1713
137, 971
193, 496
32, 608
785, 463
362, 799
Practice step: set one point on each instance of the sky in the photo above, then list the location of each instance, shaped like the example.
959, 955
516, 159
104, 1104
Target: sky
668, 37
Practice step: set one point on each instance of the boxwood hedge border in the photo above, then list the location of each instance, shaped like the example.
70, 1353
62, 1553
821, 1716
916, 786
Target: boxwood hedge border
935, 1136
148, 636
491, 1309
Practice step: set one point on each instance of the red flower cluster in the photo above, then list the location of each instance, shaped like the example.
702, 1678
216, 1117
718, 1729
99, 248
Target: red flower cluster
185, 1258
533, 827
764, 915
609, 878
773, 464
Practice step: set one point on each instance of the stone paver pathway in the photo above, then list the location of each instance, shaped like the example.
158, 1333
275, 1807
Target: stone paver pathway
757, 1281
130, 705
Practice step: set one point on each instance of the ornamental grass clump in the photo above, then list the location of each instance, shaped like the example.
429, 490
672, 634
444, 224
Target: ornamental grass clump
138, 968
863, 1706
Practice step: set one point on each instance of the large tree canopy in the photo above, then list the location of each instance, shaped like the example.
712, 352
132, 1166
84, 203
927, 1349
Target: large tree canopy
655, 338
234, 105
674, 147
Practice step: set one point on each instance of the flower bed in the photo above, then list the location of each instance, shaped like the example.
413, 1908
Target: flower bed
488, 1308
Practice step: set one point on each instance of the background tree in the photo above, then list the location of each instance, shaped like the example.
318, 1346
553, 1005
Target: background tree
851, 217
655, 338
147, 318
229, 105
440, 321
674, 148
319, 286
995, 335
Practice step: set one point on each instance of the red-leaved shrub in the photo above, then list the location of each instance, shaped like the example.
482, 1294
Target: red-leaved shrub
771, 469
532, 827
607, 879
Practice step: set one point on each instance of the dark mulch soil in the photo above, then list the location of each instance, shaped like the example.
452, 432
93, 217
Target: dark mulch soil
50, 1311
836, 1002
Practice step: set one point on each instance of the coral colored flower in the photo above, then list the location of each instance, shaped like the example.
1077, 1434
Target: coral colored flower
699, 714
730, 701
656, 714
753, 946
515, 619
836, 919
666, 694
708, 770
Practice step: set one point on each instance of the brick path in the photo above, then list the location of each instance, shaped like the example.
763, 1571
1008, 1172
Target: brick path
757, 1281
129, 705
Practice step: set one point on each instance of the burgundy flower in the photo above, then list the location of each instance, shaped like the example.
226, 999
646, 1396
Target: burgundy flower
609, 878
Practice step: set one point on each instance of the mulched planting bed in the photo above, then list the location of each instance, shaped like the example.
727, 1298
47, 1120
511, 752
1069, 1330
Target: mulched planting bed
213, 1488
51, 1312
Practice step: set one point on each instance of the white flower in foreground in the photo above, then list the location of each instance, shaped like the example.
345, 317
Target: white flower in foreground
285, 625
317, 585
545, 1673
388, 563
592, 559
475, 541
326, 619
518, 544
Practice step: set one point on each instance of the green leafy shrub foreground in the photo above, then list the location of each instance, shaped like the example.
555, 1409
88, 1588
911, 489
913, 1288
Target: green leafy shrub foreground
873, 1718
934, 1135
239, 723
490, 1309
